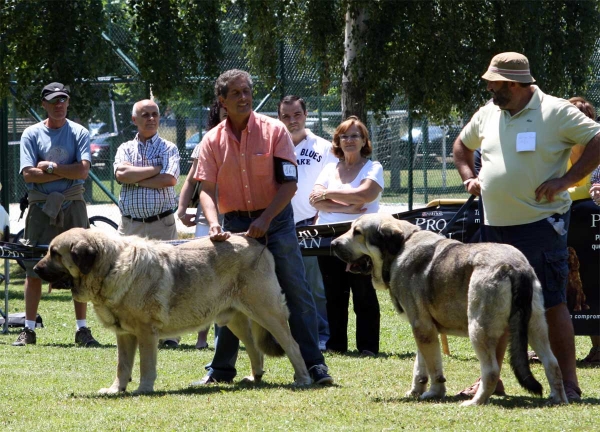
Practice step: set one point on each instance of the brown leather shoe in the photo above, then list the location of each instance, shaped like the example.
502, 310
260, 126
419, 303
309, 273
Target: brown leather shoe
472, 390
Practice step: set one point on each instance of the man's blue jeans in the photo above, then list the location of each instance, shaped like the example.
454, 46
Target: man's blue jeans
282, 242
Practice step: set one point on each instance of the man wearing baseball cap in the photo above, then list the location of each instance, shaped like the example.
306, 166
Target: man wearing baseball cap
526, 138
55, 161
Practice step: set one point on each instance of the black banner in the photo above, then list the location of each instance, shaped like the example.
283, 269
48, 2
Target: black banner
583, 290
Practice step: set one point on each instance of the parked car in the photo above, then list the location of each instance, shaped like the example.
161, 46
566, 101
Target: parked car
191, 143
100, 149
395, 154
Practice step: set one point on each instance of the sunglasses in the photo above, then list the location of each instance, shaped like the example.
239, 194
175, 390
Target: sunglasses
56, 100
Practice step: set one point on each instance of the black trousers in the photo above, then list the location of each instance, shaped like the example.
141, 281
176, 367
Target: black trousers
338, 284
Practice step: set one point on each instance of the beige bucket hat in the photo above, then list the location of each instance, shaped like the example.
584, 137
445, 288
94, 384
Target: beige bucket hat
509, 66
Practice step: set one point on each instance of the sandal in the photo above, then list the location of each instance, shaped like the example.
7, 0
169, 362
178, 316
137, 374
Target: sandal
593, 356
472, 390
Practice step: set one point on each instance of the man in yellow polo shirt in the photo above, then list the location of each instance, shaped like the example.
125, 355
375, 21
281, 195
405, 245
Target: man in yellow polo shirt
525, 138
250, 158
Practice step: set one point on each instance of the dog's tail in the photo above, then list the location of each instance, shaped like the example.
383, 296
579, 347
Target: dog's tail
266, 342
518, 322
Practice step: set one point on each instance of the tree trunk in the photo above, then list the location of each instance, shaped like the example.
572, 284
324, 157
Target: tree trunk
353, 94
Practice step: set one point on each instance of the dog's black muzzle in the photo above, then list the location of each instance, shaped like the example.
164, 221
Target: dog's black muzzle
58, 279
362, 265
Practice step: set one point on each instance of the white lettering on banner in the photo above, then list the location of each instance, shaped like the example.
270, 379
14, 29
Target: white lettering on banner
595, 246
308, 234
311, 242
7, 253
435, 225
597, 237
595, 218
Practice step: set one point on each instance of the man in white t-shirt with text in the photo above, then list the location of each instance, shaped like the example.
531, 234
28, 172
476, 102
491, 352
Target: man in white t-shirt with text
312, 154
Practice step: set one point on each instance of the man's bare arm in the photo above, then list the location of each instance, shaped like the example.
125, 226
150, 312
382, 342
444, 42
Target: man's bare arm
588, 162
463, 160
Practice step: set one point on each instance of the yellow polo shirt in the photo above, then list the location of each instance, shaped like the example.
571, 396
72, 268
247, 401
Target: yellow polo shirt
581, 189
520, 152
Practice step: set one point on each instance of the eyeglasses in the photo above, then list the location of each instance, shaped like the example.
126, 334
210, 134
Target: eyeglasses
352, 137
57, 100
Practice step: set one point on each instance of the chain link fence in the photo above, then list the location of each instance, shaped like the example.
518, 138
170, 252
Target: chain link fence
413, 176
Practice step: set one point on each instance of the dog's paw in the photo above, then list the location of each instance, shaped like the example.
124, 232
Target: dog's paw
303, 382
142, 390
256, 379
432, 395
473, 402
414, 393
555, 399
111, 390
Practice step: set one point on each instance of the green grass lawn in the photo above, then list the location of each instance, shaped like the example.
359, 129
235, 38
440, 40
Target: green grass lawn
52, 387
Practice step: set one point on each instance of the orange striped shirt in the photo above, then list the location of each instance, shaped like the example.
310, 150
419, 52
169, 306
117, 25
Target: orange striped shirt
244, 170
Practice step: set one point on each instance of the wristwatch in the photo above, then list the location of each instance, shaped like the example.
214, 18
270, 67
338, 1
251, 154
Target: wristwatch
50, 168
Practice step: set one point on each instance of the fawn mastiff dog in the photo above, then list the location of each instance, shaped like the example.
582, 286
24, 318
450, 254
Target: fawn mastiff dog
144, 290
445, 286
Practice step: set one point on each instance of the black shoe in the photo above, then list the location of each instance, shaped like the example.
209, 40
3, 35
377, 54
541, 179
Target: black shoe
84, 338
319, 375
26, 337
169, 344
208, 380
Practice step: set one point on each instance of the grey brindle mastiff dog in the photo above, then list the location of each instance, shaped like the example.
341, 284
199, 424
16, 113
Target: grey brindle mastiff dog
444, 286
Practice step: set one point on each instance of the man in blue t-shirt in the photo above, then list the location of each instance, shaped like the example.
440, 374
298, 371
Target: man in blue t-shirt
55, 161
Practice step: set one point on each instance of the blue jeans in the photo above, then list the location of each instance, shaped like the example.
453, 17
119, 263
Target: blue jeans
315, 282
282, 242
544, 248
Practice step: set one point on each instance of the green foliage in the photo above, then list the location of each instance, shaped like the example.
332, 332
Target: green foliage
430, 53
45, 41
433, 52
177, 43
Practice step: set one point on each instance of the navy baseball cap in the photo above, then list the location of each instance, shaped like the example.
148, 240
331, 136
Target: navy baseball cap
53, 90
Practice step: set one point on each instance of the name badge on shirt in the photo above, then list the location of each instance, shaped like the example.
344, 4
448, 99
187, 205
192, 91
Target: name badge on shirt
526, 141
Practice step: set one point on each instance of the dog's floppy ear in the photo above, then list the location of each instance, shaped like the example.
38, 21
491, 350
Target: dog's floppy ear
83, 255
388, 237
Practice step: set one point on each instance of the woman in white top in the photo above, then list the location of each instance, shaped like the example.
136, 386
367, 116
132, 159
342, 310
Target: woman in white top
343, 192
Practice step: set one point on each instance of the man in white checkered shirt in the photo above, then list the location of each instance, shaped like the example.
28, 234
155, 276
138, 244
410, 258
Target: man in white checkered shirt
147, 167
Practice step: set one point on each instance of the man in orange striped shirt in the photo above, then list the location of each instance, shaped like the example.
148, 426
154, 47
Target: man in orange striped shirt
250, 159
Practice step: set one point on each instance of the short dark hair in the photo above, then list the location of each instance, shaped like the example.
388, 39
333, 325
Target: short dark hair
222, 83
288, 100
